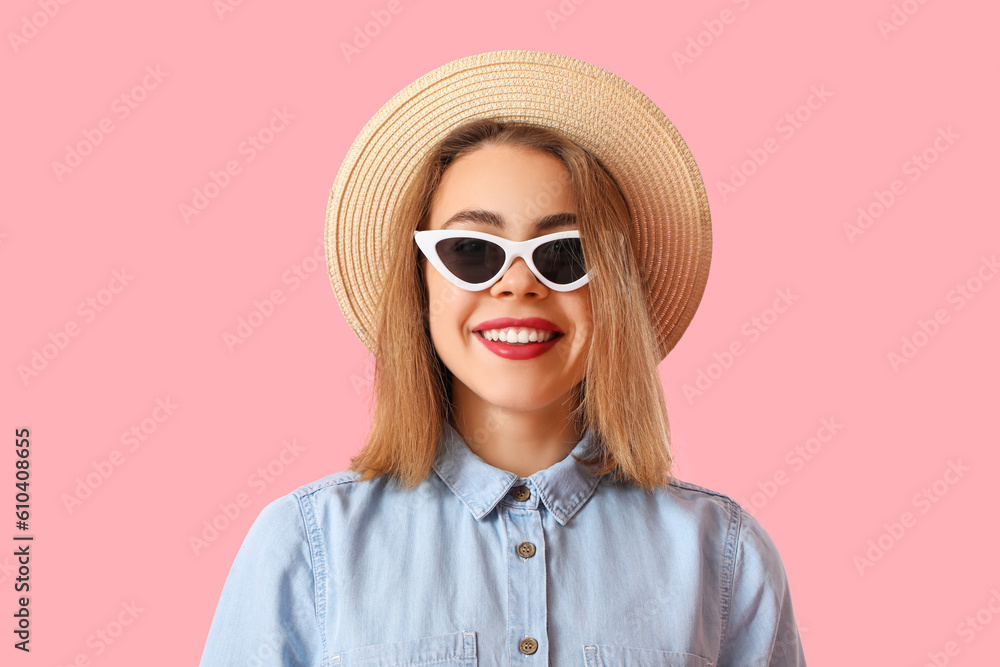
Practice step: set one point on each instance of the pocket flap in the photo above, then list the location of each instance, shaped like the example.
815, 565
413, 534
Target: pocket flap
604, 655
457, 648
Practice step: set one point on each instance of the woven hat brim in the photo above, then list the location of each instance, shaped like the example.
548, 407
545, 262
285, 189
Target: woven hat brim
598, 110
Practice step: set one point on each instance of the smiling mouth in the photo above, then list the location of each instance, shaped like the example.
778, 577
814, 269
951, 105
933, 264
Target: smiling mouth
518, 336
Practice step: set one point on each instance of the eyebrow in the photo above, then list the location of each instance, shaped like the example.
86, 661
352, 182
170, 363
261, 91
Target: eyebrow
496, 220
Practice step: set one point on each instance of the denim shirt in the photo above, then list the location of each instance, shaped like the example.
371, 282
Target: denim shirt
478, 566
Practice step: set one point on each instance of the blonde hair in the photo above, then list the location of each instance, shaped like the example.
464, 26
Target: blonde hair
620, 400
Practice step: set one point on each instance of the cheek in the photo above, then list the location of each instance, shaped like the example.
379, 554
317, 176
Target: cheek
584, 315
448, 306
585, 329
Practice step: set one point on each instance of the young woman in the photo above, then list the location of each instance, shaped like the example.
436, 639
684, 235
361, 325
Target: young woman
519, 238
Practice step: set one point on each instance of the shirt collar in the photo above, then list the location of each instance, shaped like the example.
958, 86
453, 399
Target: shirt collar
564, 487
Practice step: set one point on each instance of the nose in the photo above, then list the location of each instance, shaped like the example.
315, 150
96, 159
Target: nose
518, 280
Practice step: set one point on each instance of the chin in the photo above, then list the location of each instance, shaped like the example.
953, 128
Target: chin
519, 400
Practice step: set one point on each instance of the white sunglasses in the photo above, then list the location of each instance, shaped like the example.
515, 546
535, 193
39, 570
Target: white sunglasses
476, 260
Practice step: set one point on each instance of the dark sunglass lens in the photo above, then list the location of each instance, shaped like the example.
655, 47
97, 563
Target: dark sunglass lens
472, 260
561, 261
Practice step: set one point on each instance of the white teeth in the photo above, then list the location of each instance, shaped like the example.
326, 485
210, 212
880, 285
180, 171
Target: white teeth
518, 335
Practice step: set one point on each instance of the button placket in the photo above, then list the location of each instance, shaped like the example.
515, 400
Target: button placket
527, 602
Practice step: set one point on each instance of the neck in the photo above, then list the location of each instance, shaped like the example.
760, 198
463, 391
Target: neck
518, 441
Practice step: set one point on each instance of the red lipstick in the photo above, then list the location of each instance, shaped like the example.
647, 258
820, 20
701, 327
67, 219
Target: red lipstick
529, 322
520, 351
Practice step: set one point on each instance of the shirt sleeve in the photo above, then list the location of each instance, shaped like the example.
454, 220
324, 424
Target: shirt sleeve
761, 629
267, 613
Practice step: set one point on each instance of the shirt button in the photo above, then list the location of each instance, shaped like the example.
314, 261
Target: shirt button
528, 646
526, 549
520, 493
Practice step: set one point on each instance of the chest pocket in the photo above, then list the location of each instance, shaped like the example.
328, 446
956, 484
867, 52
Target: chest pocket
457, 648
603, 655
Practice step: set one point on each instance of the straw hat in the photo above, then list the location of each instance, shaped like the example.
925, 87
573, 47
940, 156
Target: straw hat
596, 109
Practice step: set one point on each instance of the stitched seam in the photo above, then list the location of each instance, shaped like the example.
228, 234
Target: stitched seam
311, 489
424, 662
477, 510
694, 487
729, 559
454, 489
583, 496
414, 664
469, 647
506, 545
340, 655
318, 563
549, 500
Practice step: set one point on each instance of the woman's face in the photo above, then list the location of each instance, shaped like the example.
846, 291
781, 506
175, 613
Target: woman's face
517, 187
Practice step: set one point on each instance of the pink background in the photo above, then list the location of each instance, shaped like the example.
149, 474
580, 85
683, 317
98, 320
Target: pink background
303, 376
